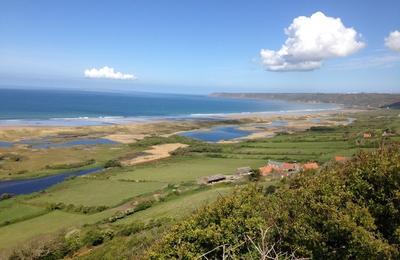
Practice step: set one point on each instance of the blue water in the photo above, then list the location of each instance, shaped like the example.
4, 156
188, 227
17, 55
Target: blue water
81, 108
217, 134
45, 143
5, 144
277, 123
27, 186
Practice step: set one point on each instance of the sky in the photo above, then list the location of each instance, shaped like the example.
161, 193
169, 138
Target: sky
202, 46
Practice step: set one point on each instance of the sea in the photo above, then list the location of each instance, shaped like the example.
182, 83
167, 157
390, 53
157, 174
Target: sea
72, 107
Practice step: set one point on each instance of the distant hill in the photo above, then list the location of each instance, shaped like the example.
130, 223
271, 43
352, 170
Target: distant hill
350, 100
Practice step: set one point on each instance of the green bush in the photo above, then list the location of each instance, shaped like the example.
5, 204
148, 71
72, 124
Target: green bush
144, 205
70, 165
112, 163
93, 237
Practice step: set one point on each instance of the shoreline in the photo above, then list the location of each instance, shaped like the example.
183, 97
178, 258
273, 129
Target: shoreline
120, 120
128, 131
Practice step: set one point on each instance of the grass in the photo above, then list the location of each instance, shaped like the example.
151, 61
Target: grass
94, 192
12, 211
13, 234
178, 207
185, 169
45, 161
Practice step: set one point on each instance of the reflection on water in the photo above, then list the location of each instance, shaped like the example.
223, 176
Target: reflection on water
26, 186
46, 143
277, 123
5, 144
315, 120
216, 134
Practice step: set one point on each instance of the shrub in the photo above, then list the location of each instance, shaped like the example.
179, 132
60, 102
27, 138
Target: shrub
93, 237
112, 163
144, 205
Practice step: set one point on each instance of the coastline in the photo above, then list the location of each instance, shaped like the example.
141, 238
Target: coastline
121, 120
133, 129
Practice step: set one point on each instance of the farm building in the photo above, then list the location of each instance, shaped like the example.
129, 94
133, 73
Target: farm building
265, 170
244, 171
388, 133
212, 179
367, 135
310, 166
290, 167
339, 158
279, 167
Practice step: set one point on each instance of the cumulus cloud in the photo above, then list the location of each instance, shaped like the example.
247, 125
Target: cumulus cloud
108, 73
310, 41
393, 41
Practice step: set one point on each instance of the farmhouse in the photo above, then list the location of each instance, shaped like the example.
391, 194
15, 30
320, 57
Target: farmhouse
290, 167
265, 170
310, 166
279, 167
339, 158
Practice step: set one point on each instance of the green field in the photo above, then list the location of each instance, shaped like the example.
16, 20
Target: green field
16, 233
177, 207
185, 169
93, 192
13, 211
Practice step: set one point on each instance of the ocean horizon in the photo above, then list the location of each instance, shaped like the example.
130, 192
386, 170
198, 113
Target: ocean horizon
73, 107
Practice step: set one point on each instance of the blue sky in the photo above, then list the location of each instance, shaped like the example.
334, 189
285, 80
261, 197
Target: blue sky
195, 46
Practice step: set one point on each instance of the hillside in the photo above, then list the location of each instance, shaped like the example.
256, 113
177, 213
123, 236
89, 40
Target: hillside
351, 100
344, 211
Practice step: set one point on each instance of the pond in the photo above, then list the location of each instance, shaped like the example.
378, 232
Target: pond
217, 134
277, 123
5, 144
315, 120
46, 143
26, 186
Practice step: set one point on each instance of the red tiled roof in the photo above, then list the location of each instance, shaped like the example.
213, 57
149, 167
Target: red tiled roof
266, 169
310, 165
289, 166
340, 158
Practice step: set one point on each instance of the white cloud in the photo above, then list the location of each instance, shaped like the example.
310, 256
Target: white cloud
373, 61
108, 73
393, 41
310, 41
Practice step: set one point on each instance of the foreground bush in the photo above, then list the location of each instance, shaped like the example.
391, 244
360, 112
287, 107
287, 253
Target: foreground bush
344, 211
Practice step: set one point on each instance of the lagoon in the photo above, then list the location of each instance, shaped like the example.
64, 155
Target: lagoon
26, 186
217, 134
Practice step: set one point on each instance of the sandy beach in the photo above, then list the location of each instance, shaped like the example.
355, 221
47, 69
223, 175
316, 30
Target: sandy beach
129, 132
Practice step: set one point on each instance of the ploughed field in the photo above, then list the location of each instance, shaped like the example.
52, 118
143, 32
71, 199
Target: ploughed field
158, 193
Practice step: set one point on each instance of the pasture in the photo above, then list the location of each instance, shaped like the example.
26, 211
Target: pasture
184, 169
94, 192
